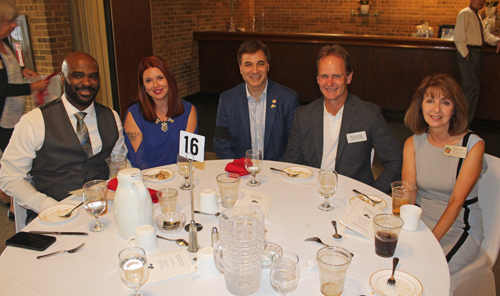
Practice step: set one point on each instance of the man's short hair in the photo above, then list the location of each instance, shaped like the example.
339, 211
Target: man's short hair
251, 47
335, 50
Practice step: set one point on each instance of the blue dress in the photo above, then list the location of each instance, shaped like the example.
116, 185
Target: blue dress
157, 147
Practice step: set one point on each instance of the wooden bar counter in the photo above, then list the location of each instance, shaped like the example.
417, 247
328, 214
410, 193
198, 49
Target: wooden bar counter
387, 70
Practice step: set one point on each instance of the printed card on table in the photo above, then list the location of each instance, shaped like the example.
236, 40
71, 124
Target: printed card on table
252, 198
168, 265
359, 218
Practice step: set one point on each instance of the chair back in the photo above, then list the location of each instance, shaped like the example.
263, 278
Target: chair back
489, 201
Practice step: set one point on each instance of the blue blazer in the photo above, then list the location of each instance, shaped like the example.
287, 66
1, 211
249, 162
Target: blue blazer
232, 132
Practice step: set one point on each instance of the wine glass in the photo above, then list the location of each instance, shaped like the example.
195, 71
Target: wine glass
285, 273
94, 200
134, 268
327, 186
253, 164
183, 169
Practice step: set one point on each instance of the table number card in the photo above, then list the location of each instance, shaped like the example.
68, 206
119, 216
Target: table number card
192, 146
359, 218
168, 265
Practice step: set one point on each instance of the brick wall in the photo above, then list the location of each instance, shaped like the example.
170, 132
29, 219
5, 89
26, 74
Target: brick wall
174, 21
50, 32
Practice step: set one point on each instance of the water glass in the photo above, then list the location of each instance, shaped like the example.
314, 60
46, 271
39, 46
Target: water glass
94, 200
183, 169
168, 199
116, 163
327, 186
134, 270
285, 272
229, 185
333, 263
253, 164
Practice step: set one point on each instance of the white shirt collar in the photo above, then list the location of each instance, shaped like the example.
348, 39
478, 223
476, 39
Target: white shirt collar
263, 93
71, 110
326, 113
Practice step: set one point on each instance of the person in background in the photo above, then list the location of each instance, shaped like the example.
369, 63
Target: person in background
445, 160
469, 37
256, 114
59, 146
338, 131
12, 85
153, 124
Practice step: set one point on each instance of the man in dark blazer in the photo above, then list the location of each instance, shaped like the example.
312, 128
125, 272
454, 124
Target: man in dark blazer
359, 125
256, 114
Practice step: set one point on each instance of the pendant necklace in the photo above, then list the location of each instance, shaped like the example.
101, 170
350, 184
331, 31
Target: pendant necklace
164, 124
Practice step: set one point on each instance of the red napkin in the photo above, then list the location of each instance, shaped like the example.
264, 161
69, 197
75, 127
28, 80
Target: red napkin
237, 167
112, 184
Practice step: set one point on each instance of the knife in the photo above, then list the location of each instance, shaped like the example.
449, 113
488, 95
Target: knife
60, 233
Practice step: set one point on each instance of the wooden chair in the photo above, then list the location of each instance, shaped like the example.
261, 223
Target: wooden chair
478, 278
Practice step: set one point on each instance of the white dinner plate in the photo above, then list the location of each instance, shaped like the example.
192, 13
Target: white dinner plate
406, 284
51, 215
171, 175
381, 205
304, 173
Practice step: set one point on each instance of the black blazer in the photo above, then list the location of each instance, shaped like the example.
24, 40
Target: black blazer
10, 90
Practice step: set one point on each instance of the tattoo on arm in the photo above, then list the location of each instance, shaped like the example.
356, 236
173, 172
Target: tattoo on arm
133, 136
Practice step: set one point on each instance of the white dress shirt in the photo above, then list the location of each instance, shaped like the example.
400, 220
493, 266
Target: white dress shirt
468, 31
28, 138
257, 114
331, 132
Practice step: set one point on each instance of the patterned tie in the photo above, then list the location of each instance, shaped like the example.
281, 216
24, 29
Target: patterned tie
83, 133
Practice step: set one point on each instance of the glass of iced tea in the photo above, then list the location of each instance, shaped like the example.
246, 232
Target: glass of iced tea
403, 193
387, 228
333, 263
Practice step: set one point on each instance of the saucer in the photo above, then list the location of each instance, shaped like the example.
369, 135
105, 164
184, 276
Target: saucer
381, 205
304, 173
170, 173
51, 215
406, 284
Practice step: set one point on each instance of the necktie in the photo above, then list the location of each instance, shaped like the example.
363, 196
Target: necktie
480, 28
83, 133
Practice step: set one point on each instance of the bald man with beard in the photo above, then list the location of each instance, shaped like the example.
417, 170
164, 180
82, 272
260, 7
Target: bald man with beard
51, 152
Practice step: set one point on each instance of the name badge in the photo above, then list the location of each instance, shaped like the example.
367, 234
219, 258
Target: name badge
356, 137
1, 65
455, 151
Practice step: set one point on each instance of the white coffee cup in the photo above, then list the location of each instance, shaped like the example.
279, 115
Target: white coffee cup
145, 237
411, 217
205, 266
208, 201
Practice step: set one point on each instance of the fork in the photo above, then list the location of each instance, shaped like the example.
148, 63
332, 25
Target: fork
74, 250
69, 214
372, 200
289, 175
391, 282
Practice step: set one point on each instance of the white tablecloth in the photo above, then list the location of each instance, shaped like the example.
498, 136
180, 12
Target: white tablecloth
294, 216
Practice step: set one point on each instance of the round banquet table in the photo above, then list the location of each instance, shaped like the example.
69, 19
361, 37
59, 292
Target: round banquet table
293, 217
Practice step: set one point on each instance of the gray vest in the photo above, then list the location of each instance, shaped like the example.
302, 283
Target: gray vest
61, 165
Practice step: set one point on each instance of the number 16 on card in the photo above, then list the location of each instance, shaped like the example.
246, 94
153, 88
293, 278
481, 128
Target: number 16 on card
192, 146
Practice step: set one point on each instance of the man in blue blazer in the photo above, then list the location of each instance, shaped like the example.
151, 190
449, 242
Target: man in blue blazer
256, 114
338, 131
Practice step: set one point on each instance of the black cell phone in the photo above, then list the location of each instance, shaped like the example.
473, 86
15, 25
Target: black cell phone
32, 241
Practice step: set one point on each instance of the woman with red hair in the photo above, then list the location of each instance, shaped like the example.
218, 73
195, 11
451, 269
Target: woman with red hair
153, 124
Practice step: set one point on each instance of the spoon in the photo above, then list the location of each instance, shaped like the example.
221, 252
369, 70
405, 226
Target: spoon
216, 214
318, 240
179, 241
289, 175
372, 200
336, 235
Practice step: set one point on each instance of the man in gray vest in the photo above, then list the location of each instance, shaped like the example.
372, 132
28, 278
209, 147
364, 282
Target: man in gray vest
63, 144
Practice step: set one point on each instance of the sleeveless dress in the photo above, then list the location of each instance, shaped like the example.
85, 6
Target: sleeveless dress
158, 147
436, 176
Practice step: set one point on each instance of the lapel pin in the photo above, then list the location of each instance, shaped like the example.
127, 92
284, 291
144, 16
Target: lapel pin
273, 106
274, 101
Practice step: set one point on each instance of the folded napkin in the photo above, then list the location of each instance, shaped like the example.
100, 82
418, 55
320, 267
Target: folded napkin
112, 184
237, 167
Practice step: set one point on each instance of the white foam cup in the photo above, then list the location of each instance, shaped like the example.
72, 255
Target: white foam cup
411, 217
208, 201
